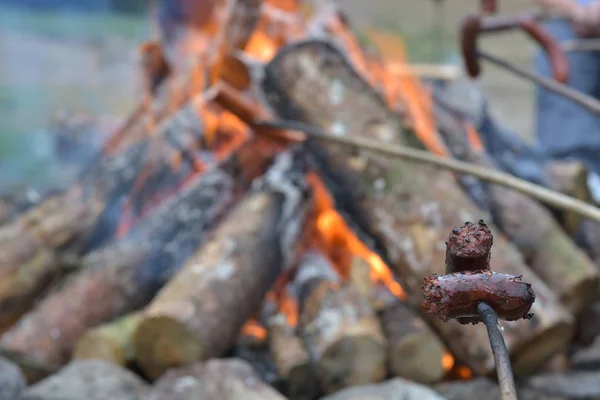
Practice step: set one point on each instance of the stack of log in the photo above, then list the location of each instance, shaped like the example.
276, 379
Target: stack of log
206, 254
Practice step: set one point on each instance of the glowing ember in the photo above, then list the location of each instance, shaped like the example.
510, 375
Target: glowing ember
464, 373
447, 362
253, 329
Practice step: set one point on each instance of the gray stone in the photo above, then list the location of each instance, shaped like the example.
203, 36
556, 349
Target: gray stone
484, 388
12, 381
394, 389
570, 384
88, 380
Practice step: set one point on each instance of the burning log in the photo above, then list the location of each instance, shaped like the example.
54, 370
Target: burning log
125, 275
229, 379
402, 210
229, 275
414, 350
291, 358
89, 379
340, 329
110, 342
549, 251
34, 245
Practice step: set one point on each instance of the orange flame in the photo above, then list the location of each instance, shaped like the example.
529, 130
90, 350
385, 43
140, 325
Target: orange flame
254, 329
333, 229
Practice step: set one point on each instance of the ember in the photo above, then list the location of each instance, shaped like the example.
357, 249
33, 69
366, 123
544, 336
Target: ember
213, 225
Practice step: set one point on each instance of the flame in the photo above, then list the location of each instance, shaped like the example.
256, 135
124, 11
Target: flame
447, 361
336, 233
288, 305
254, 329
409, 89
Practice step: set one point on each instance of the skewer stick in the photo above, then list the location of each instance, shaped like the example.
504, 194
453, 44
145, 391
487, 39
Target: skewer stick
501, 356
544, 195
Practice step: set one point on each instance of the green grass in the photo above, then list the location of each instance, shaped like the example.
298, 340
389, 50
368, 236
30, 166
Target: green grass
421, 45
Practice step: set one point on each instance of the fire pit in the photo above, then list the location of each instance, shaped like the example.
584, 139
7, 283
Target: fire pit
222, 257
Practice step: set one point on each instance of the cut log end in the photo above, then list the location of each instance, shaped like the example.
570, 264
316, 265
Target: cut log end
352, 360
414, 350
110, 342
468, 248
162, 342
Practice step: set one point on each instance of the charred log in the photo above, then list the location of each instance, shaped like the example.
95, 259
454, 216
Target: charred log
409, 208
340, 329
545, 246
125, 275
228, 276
34, 246
228, 379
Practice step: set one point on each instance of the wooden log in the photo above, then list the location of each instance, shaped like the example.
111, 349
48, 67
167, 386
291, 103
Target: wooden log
292, 361
12, 381
569, 177
225, 379
588, 325
549, 251
340, 329
88, 379
111, 342
587, 358
34, 246
394, 389
414, 350
125, 275
229, 275
402, 210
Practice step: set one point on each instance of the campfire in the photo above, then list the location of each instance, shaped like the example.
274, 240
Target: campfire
213, 247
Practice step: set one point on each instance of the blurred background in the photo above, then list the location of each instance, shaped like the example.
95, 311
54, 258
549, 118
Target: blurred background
60, 56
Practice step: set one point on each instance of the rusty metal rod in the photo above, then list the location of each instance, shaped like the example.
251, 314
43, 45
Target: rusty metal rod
576, 96
501, 357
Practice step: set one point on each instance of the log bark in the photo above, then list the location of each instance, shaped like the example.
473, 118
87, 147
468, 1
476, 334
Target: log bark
588, 325
402, 210
229, 275
414, 350
125, 275
549, 251
35, 245
340, 329
226, 379
570, 178
292, 361
89, 379
111, 342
